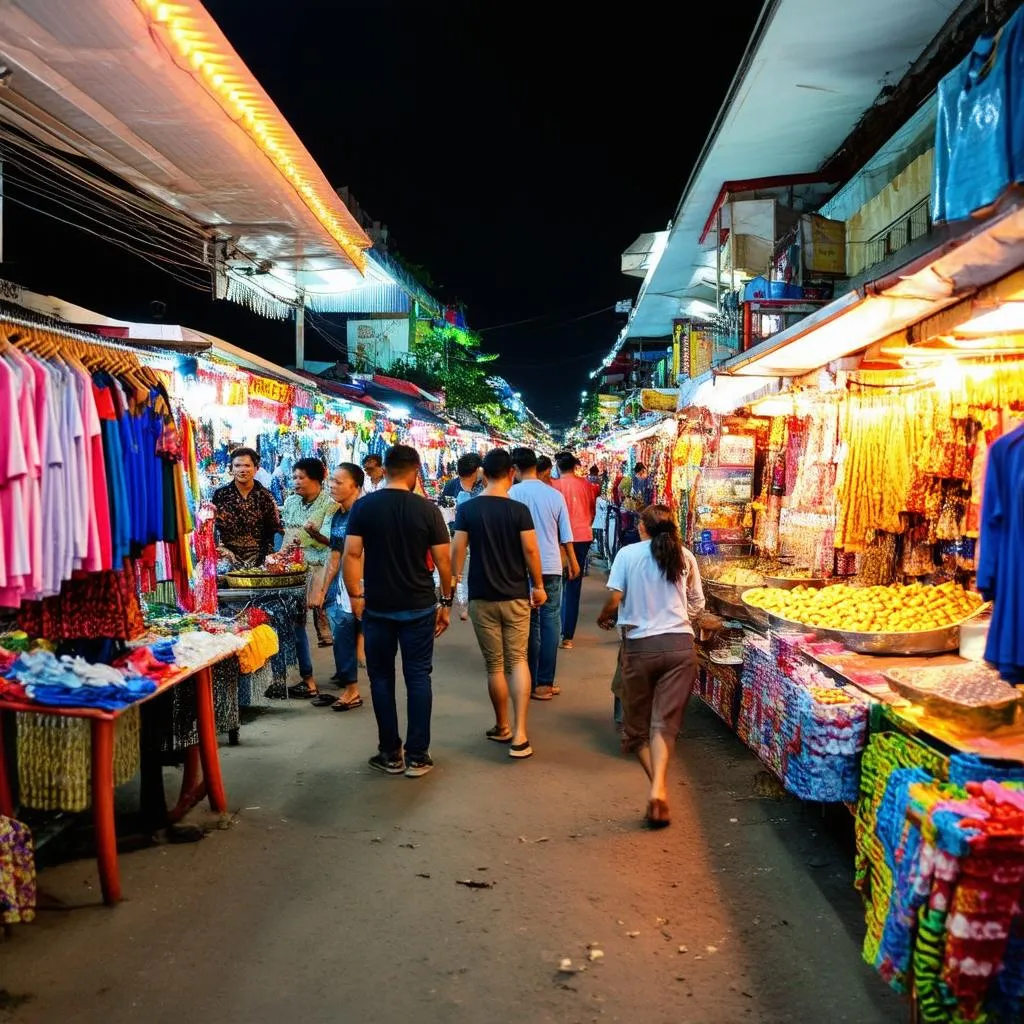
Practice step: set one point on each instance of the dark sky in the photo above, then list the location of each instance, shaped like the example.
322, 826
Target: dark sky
513, 150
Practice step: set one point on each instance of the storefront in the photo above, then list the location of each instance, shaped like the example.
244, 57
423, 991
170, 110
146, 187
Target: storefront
857, 529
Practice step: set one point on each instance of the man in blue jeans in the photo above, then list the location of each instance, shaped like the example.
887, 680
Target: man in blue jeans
395, 539
554, 535
346, 487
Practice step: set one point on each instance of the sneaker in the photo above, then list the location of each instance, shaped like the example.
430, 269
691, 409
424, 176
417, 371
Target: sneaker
520, 750
417, 766
390, 764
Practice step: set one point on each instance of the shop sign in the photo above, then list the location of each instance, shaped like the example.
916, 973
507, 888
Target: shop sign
736, 451
269, 390
702, 347
681, 348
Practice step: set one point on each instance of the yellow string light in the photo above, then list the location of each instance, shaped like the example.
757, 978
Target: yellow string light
225, 78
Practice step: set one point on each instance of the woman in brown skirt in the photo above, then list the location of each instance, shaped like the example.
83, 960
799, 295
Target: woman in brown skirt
655, 595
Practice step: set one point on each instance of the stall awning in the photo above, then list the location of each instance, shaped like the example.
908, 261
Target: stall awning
810, 72
990, 251
154, 94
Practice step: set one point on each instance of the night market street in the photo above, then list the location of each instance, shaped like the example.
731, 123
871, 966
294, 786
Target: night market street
333, 895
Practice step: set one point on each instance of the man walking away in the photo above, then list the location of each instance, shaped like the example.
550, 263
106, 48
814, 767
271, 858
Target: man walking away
554, 534
505, 558
375, 475
544, 466
581, 501
392, 534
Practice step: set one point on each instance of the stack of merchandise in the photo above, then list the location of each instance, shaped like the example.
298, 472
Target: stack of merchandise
954, 916
808, 730
17, 873
717, 686
759, 723
825, 728
891, 763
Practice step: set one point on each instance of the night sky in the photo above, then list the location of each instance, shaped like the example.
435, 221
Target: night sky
513, 150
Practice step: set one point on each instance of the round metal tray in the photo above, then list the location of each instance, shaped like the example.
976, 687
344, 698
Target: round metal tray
264, 581
731, 593
925, 641
788, 583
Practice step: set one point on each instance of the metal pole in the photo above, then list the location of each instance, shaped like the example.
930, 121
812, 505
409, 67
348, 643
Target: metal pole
300, 330
718, 262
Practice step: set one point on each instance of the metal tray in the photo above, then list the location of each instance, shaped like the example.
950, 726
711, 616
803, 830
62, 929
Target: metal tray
786, 583
926, 641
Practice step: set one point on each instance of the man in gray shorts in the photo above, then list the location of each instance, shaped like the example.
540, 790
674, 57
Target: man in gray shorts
506, 556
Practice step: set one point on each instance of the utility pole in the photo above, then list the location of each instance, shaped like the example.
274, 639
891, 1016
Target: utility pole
300, 329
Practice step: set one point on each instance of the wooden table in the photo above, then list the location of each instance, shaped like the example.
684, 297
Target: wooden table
102, 756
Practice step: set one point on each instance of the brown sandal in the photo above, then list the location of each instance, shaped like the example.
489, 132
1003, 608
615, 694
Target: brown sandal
657, 814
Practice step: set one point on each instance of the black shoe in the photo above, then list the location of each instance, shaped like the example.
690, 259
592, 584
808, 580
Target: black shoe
417, 766
390, 764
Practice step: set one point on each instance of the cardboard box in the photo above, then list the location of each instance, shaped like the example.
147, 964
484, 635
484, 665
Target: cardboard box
823, 243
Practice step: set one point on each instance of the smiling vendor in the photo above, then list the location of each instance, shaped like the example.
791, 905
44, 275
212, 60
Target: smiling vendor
247, 517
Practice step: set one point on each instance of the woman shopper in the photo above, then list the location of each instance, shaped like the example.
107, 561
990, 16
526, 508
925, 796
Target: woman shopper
655, 597
303, 516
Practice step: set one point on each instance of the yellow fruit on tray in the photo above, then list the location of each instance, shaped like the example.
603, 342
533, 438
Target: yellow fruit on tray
895, 609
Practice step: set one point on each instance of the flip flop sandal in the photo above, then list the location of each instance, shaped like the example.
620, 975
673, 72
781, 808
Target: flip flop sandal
351, 705
541, 696
323, 700
555, 691
499, 735
302, 691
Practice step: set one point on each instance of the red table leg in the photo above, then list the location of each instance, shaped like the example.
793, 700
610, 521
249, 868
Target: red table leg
103, 808
208, 751
6, 803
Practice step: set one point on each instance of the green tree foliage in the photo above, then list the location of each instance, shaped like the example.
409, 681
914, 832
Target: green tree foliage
449, 359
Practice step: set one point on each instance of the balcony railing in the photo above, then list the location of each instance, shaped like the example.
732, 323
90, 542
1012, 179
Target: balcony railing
914, 224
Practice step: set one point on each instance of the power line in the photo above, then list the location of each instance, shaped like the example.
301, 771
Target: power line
545, 316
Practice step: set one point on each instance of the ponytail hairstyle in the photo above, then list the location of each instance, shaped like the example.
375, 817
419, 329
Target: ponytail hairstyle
666, 545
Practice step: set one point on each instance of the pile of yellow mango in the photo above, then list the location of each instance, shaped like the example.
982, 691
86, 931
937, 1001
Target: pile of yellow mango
895, 609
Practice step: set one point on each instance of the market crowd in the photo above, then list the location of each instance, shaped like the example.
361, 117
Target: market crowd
509, 539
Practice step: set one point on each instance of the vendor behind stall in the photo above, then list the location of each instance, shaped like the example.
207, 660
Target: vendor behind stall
247, 518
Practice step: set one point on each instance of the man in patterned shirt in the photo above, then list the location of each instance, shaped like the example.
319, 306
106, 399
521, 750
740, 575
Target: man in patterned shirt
247, 517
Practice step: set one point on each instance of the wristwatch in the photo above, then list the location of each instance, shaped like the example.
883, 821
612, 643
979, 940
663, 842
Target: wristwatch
446, 602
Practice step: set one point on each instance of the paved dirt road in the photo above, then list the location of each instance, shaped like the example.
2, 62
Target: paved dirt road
333, 896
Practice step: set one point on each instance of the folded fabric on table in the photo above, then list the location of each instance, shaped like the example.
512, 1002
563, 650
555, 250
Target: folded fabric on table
202, 648
74, 682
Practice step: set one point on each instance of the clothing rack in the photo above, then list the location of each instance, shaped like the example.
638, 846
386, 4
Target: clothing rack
25, 318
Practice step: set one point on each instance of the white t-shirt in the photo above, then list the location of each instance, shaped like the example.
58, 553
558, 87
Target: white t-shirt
650, 604
369, 486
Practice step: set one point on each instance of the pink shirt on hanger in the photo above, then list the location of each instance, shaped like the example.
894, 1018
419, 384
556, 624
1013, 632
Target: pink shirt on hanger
13, 474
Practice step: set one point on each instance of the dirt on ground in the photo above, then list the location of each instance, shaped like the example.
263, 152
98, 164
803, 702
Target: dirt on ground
336, 894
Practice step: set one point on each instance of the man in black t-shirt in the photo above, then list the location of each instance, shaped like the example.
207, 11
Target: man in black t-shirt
506, 556
398, 537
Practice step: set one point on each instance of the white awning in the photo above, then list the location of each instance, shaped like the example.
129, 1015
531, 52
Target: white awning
811, 71
155, 94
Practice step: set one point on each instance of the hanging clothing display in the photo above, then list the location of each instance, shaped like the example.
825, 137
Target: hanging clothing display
92, 494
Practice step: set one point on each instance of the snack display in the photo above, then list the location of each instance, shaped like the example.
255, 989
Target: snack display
737, 576
895, 609
971, 691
